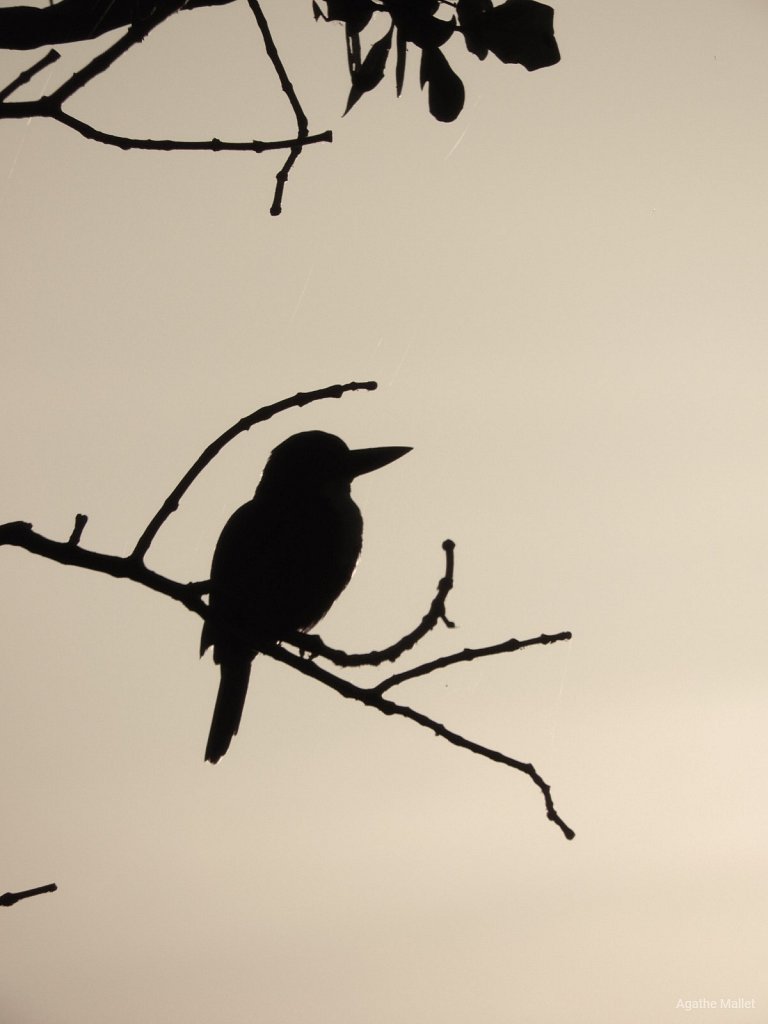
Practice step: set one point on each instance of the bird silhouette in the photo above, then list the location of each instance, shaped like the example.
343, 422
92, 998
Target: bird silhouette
281, 561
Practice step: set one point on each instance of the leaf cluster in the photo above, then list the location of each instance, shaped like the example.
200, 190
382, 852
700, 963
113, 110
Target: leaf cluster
515, 31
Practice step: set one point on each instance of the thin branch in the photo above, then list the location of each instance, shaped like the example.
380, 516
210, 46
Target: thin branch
269, 45
469, 654
374, 699
302, 123
9, 898
281, 180
299, 400
43, 108
104, 60
171, 145
313, 645
50, 58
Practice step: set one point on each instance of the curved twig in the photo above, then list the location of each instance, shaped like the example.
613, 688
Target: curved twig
314, 645
171, 503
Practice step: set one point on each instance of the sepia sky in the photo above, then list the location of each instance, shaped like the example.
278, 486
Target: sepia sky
562, 297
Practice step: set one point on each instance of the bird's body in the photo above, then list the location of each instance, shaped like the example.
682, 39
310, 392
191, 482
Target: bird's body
282, 560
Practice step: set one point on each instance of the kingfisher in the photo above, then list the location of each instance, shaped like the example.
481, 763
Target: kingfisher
281, 561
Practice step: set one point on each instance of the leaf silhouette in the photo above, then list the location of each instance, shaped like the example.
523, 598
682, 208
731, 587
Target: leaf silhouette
368, 75
445, 91
355, 13
517, 32
401, 47
470, 14
415, 19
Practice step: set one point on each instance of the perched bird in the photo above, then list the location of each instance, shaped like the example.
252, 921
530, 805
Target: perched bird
282, 560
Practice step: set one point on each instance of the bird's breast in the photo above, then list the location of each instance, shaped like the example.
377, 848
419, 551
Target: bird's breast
281, 563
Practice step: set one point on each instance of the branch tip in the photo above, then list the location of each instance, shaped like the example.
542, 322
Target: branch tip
9, 898
77, 531
173, 500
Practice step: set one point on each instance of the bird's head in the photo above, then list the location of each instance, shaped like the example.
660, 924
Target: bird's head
316, 458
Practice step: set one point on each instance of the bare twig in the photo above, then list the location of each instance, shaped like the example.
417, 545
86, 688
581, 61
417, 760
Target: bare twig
469, 654
174, 145
302, 123
171, 503
374, 699
104, 60
9, 898
313, 645
50, 58
77, 530
281, 180
269, 45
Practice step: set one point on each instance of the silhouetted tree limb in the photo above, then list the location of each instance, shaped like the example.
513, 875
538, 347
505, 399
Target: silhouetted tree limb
311, 644
373, 698
514, 31
71, 21
469, 654
26, 76
70, 552
285, 83
9, 898
143, 19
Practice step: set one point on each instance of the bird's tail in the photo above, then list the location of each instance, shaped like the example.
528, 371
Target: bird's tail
229, 706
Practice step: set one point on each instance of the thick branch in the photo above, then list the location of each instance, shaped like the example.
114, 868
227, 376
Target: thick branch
104, 60
69, 21
171, 503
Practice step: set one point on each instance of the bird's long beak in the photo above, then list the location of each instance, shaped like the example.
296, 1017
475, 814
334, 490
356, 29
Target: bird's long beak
365, 460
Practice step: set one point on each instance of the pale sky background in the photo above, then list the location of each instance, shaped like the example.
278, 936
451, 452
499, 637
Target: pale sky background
562, 296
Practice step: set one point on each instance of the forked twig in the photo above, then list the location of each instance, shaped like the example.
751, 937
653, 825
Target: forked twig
51, 106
